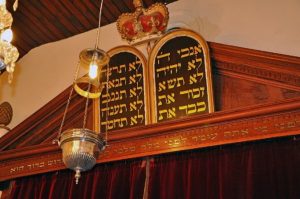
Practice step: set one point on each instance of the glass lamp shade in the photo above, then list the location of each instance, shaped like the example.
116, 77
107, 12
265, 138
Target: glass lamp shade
80, 149
94, 60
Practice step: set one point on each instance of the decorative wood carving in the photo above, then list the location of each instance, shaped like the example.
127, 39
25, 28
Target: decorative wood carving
253, 123
281, 70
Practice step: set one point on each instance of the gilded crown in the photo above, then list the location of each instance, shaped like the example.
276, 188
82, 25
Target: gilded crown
143, 24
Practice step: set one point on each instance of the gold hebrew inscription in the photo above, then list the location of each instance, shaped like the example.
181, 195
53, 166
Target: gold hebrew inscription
180, 79
123, 105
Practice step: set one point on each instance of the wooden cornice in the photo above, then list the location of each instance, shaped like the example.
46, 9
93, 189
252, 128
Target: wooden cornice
225, 127
282, 71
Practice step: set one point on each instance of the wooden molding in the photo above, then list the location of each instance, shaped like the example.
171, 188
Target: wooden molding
247, 124
270, 68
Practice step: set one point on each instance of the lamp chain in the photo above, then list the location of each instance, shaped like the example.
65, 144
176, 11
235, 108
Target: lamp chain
99, 24
86, 105
68, 102
107, 112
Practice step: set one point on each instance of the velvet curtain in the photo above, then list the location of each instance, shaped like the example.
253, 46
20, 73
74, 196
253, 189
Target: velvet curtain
268, 169
264, 169
111, 181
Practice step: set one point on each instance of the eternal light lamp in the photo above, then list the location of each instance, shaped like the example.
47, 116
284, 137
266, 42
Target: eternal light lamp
8, 53
81, 146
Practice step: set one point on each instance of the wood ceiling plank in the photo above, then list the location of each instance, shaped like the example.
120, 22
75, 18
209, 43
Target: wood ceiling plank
113, 10
52, 20
62, 15
19, 29
43, 19
22, 45
78, 15
32, 37
120, 6
87, 13
110, 15
27, 42
91, 8
129, 5
104, 19
34, 23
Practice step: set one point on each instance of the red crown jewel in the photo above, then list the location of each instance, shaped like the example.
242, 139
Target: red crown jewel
143, 24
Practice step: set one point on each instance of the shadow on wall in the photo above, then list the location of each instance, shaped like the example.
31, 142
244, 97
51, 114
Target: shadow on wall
185, 18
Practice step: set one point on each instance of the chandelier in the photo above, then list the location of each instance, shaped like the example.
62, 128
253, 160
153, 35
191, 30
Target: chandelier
81, 146
8, 53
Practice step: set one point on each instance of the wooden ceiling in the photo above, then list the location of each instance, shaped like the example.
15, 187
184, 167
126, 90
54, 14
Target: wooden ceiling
37, 22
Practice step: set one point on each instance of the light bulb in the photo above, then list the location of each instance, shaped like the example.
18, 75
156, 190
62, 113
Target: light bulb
7, 35
93, 71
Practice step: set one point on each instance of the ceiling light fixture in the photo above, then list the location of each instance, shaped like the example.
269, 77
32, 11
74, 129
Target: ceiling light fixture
81, 146
8, 52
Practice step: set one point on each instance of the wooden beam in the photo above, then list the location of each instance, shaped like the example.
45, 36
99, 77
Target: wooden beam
225, 127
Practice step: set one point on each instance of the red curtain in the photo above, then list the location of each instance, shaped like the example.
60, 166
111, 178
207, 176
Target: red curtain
265, 169
111, 181
269, 169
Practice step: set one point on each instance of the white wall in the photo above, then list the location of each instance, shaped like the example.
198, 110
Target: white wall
269, 25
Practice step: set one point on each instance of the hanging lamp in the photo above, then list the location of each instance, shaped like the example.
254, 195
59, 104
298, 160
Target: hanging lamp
81, 146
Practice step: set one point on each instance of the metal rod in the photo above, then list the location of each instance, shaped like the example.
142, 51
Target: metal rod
69, 100
99, 24
86, 105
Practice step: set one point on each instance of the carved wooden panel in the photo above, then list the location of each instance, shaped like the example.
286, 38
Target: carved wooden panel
233, 93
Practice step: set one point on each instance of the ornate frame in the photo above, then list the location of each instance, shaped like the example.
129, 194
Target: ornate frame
158, 45
140, 55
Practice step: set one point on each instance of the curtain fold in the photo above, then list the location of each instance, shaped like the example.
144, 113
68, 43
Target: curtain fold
111, 181
266, 169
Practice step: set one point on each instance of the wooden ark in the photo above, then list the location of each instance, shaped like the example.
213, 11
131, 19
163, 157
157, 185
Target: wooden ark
256, 96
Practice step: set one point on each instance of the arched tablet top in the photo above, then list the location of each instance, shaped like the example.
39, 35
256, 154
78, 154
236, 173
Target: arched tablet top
180, 72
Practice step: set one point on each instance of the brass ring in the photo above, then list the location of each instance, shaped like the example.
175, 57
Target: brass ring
83, 93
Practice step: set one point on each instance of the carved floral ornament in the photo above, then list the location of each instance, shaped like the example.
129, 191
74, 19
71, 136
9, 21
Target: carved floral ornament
6, 114
143, 24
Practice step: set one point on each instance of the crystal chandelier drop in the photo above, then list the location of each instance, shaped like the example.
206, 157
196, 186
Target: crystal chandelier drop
81, 146
8, 53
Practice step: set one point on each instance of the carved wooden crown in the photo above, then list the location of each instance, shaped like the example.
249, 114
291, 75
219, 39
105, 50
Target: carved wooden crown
143, 24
